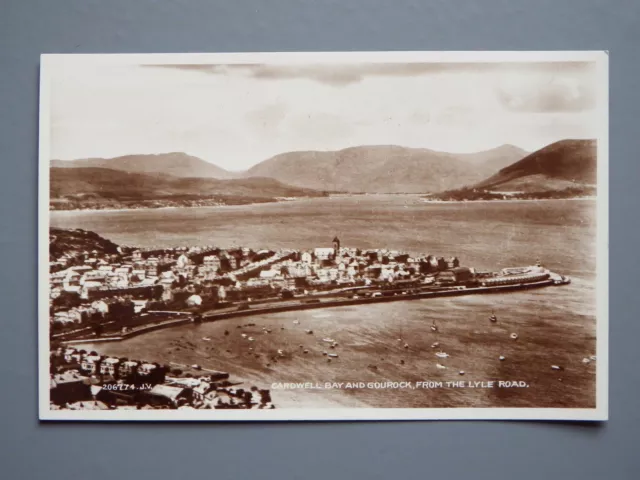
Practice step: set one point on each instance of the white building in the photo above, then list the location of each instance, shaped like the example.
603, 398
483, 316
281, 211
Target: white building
323, 253
90, 363
109, 366
146, 368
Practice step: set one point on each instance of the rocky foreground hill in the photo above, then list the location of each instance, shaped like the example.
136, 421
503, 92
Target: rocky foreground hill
76, 242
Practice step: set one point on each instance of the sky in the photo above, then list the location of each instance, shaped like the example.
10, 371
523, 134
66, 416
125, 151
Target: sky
238, 115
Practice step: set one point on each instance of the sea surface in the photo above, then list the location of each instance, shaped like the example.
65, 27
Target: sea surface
555, 325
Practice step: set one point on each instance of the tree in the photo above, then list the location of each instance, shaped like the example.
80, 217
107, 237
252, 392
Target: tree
156, 292
98, 329
67, 300
122, 311
442, 263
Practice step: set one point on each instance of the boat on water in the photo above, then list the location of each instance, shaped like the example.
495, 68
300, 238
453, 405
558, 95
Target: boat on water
560, 279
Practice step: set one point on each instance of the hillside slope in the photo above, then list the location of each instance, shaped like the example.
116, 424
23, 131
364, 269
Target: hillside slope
96, 187
73, 242
384, 168
177, 164
559, 165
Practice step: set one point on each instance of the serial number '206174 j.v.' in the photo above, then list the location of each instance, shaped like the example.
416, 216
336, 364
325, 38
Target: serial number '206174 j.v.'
127, 386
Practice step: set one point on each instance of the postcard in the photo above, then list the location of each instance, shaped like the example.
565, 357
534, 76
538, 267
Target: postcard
324, 236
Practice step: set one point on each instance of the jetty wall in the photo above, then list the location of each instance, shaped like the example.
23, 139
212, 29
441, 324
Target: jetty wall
213, 317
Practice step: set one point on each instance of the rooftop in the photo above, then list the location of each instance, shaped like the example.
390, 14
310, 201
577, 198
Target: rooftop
166, 391
70, 376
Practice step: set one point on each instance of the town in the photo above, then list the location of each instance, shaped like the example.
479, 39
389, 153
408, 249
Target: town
113, 292
102, 292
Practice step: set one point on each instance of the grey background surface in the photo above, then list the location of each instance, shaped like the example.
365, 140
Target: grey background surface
497, 450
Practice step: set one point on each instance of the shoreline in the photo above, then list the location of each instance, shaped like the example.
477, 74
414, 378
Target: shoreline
213, 317
421, 200
116, 210
513, 200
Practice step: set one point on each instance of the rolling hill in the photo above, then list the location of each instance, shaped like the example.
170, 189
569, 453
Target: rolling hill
560, 165
176, 164
92, 187
384, 168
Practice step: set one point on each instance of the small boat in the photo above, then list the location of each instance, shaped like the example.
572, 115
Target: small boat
328, 340
442, 355
440, 366
493, 318
332, 355
206, 339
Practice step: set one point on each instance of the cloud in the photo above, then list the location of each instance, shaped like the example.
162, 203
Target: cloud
555, 90
237, 115
346, 74
270, 115
329, 74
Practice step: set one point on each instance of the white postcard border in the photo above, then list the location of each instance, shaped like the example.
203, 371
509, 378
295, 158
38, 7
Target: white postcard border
599, 413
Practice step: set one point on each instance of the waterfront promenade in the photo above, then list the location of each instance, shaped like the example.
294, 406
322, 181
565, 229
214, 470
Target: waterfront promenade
310, 302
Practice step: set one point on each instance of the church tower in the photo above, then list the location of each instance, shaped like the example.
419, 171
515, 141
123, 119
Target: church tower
336, 247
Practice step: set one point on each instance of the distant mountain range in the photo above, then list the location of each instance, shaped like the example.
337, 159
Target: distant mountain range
176, 164
563, 164
363, 169
385, 168
184, 180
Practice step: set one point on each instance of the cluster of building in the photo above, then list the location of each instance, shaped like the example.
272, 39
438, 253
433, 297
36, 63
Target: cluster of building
188, 277
86, 380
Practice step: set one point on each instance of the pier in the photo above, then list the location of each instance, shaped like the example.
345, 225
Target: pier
301, 304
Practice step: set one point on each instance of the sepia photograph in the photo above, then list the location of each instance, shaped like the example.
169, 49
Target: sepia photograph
323, 236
